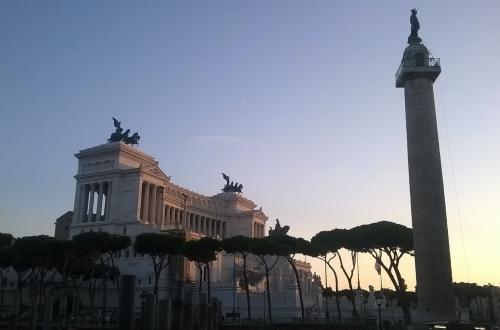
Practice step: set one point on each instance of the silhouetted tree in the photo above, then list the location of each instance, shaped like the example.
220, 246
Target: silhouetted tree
387, 242
24, 273
104, 245
291, 247
160, 248
264, 248
325, 246
203, 252
36, 251
341, 240
240, 244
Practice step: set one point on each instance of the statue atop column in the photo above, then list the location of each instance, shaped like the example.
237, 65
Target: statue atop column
231, 187
414, 39
117, 135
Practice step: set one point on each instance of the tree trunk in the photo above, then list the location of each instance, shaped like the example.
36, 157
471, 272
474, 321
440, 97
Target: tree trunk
290, 260
200, 284
405, 306
247, 291
268, 291
155, 293
208, 283
18, 303
104, 297
349, 282
91, 297
337, 301
34, 313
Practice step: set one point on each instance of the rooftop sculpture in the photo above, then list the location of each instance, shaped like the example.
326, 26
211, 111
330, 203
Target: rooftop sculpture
117, 135
231, 187
414, 39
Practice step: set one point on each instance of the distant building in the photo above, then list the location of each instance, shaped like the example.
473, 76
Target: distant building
63, 223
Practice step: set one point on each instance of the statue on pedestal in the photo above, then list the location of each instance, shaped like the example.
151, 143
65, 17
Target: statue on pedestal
278, 230
414, 39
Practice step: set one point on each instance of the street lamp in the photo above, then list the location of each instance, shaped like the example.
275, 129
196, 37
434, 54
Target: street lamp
378, 299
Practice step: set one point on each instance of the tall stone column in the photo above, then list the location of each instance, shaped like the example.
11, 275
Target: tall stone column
82, 207
187, 224
99, 201
169, 215
90, 213
108, 200
145, 202
177, 215
416, 75
152, 207
161, 209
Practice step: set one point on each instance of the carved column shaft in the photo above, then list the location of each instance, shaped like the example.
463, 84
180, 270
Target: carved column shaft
152, 206
82, 207
99, 201
91, 203
108, 200
145, 201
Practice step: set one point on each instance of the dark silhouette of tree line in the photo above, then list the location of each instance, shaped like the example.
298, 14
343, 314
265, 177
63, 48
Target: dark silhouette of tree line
49, 266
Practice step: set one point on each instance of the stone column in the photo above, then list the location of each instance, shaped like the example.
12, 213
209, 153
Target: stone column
177, 216
145, 202
108, 200
164, 214
82, 208
91, 203
159, 217
99, 201
187, 221
152, 215
417, 74
169, 215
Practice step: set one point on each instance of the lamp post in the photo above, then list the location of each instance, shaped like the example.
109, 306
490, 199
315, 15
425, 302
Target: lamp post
378, 298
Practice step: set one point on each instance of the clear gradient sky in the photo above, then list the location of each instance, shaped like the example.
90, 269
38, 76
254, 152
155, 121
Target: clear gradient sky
294, 99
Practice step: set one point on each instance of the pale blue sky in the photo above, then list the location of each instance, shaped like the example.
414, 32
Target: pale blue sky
294, 99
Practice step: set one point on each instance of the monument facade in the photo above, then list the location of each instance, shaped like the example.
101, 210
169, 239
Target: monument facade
122, 190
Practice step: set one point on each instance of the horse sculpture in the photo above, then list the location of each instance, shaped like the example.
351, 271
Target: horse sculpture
118, 136
278, 230
231, 187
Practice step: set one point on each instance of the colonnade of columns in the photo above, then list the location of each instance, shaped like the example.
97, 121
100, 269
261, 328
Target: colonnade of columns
152, 210
258, 230
94, 201
205, 225
155, 211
